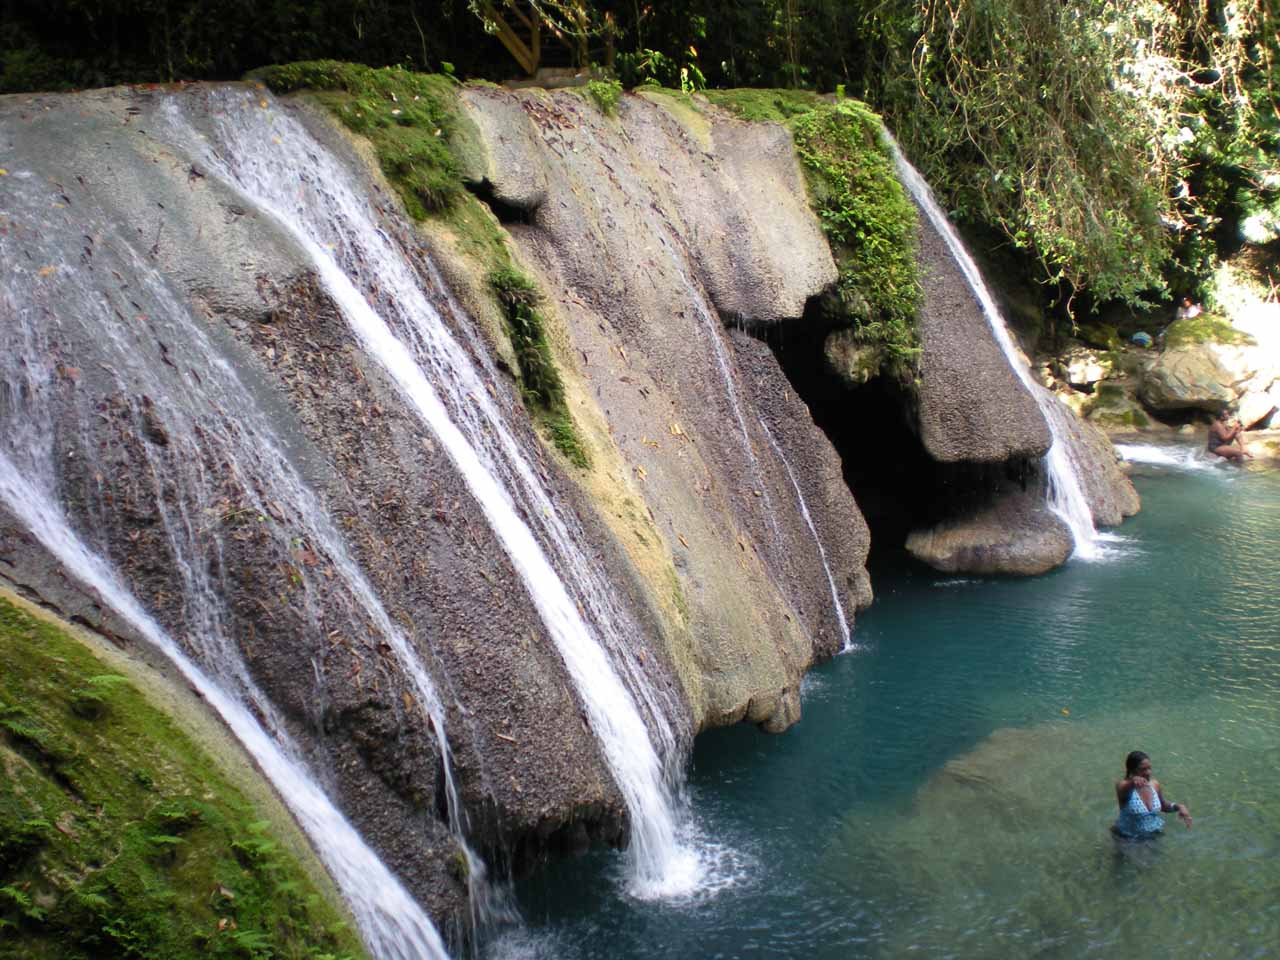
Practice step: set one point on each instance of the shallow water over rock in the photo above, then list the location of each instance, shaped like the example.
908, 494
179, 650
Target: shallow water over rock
949, 790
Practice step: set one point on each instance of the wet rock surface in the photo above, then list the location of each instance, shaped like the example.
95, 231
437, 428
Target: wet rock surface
1013, 534
972, 406
650, 230
172, 469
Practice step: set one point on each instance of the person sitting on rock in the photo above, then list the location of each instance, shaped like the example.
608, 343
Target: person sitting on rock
1187, 309
1225, 438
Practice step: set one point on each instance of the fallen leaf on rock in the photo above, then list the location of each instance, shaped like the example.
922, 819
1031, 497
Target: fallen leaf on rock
46, 271
683, 541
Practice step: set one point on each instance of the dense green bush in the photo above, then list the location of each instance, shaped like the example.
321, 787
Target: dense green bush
870, 223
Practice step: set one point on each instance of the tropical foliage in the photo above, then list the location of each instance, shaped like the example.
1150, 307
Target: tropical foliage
1118, 147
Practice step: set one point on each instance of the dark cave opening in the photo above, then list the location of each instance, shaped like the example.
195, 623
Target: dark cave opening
897, 485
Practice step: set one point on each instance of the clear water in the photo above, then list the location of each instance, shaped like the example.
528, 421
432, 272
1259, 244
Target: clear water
949, 789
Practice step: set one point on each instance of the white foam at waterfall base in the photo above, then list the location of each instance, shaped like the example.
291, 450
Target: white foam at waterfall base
391, 923
1179, 456
1066, 494
279, 168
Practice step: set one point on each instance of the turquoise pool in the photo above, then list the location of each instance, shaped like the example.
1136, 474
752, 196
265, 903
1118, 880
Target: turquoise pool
948, 791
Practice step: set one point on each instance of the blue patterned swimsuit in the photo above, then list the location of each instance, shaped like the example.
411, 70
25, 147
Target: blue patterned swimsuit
1136, 820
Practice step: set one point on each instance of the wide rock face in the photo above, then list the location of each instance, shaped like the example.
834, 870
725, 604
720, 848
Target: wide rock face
648, 229
190, 393
196, 384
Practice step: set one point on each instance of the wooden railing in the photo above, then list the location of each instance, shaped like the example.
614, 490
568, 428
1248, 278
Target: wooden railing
534, 43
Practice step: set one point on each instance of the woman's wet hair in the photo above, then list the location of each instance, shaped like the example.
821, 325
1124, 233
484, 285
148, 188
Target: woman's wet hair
1133, 761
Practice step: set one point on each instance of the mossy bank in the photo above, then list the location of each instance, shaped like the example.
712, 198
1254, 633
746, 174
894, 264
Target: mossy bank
120, 836
865, 213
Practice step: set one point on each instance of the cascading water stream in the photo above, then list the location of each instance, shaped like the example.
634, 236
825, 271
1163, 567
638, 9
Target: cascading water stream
251, 461
391, 923
273, 161
845, 633
1066, 495
713, 331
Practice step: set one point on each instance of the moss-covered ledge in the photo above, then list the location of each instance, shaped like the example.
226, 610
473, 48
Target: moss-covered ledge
868, 219
1205, 328
121, 836
424, 142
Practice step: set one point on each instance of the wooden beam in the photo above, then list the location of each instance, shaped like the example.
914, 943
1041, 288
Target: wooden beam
511, 40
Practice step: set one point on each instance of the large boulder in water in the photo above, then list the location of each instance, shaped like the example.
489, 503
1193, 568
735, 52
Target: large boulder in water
1014, 533
1191, 377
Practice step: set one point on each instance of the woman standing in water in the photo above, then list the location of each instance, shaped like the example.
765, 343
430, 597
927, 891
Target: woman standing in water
1141, 802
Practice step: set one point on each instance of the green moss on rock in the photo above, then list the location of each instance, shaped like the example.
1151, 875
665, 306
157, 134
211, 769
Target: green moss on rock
1095, 333
763, 105
539, 378
1205, 328
605, 94
422, 139
870, 223
120, 837
410, 119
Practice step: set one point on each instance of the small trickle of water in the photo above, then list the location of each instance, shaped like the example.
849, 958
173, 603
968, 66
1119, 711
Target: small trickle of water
1066, 494
845, 633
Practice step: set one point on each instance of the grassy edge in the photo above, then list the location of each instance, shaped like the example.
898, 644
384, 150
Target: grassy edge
161, 826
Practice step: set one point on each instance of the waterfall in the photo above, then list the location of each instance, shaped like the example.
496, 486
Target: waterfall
1066, 494
845, 633
391, 923
189, 407
268, 157
713, 330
